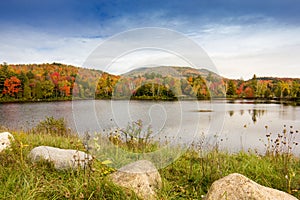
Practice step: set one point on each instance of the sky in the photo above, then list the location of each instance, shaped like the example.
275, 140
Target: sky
241, 37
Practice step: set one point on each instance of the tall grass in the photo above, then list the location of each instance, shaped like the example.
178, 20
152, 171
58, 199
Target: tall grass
189, 177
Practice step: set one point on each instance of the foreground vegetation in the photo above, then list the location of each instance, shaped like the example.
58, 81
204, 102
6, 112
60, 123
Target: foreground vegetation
189, 177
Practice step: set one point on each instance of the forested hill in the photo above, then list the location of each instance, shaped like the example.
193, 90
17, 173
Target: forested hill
39, 82
46, 82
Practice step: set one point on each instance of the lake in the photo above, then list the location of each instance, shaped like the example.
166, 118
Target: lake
233, 125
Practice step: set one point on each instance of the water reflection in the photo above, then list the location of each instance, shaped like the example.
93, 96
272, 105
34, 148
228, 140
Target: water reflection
241, 112
254, 113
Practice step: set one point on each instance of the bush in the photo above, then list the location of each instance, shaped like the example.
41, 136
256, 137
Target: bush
134, 138
52, 126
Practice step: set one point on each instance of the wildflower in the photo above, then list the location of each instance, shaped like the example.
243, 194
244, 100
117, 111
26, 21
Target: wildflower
284, 131
67, 195
81, 196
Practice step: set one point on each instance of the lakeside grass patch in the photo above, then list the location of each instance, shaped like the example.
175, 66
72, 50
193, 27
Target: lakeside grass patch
189, 177
22, 179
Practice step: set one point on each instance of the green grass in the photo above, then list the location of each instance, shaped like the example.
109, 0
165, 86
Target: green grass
189, 177
21, 179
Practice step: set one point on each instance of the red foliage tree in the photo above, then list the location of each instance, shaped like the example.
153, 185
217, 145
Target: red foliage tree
249, 92
240, 90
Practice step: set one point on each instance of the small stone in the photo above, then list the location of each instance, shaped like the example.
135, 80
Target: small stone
141, 177
236, 187
5, 140
61, 158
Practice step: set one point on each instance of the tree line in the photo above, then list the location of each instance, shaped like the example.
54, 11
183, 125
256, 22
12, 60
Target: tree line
39, 82
264, 87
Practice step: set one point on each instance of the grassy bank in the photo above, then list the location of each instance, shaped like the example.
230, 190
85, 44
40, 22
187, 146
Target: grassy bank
189, 177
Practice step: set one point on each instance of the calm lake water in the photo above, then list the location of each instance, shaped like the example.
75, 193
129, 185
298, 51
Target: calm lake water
234, 125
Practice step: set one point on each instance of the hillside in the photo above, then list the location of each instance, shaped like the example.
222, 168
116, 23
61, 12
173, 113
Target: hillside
43, 82
173, 71
46, 82
168, 82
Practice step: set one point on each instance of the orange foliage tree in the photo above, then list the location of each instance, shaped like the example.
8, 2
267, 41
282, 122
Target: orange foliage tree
12, 86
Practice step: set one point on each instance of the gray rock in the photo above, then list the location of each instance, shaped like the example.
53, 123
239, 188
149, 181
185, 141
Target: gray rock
61, 158
238, 187
141, 177
5, 140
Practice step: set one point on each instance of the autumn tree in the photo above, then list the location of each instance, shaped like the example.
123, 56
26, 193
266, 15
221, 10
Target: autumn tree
4, 73
55, 77
37, 90
253, 85
185, 87
295, 89
249, 92
200, 88
64, 88
26, 91
154, 91
105, 86
12, 86
25, 86
231, 88
47, 88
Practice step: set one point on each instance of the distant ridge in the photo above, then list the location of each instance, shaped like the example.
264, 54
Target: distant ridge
174, 71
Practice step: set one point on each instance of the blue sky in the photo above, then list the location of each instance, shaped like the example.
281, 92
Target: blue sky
241, 37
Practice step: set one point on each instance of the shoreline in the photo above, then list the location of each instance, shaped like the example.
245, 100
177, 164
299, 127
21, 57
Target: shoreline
287, 101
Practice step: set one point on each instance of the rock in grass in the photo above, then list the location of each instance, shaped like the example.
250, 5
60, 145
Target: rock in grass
238, 187
141, 177
5, 140
62, 159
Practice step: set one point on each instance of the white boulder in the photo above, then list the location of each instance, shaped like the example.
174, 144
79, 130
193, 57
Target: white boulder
5, 140
141, 177
61, 158
238, 187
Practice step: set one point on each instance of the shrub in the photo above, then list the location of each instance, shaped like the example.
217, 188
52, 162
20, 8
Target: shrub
52, 126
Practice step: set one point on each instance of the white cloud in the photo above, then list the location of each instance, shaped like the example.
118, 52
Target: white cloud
145, 58
35, 47
264, 49
145, 47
